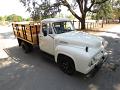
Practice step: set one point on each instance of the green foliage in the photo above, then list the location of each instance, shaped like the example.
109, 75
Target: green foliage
116, 9
108, 10
59, 15
19, 18
116, 13
71, 17
40, 10
105, 11
14, 18
43, 9
116, 3
28, 19
1, 18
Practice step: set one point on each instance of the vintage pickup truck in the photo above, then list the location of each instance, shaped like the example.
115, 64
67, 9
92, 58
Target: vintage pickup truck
73, 50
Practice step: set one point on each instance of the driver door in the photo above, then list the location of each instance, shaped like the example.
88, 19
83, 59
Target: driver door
46, 39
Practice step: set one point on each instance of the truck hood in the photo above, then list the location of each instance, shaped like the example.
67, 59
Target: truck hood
80, 39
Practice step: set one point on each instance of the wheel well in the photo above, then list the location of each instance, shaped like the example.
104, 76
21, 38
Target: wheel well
64, 57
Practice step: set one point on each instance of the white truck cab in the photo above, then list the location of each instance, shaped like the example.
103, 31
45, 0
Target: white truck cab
73, 50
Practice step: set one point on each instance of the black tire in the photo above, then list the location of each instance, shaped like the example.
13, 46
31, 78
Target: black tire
30, 48
19, 42
66, 64
26, 47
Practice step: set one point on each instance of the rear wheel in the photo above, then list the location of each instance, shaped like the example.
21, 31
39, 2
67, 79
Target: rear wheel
26, 47
19, 41
66, 64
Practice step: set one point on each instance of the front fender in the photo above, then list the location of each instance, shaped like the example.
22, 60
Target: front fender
78, 54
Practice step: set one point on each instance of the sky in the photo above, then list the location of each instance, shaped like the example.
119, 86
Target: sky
8, 7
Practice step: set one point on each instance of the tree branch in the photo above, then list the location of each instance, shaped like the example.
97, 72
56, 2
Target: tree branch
65, 3
80, 4
92, 3
100, 2
85, 5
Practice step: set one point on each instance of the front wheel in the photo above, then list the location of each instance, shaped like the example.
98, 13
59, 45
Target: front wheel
67, 65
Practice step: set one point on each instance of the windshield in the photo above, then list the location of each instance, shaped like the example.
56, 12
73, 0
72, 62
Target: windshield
62, 27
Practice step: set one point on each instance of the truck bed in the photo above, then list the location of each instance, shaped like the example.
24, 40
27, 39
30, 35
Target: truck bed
27, 31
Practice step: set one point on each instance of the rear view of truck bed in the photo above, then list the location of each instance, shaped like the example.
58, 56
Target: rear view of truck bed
27, 31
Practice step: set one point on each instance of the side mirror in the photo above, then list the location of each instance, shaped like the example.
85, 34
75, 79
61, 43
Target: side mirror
45, 32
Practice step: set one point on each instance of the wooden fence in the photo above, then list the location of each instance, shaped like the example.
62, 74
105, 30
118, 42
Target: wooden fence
89, 25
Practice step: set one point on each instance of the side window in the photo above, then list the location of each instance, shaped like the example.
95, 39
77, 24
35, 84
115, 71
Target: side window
50, 30
45, 29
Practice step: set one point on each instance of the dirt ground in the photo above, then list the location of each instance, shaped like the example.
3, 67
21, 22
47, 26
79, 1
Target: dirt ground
106, 28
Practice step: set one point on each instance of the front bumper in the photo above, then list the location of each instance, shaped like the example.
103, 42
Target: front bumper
98, 64
103, 59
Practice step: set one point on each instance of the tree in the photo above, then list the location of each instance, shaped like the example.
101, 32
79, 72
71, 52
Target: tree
14, 18
40, 10
83, 5
116, 9
108, 10
71, 17
1, 18
19, 18
27, 19
105, 11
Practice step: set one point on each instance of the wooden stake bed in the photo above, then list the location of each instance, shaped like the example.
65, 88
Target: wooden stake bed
27, 31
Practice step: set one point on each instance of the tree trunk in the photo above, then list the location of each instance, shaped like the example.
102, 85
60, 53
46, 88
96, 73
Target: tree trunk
83, 23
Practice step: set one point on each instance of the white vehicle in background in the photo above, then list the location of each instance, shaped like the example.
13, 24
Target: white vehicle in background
73, 50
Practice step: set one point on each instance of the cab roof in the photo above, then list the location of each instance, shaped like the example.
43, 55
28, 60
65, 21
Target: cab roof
51, 20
